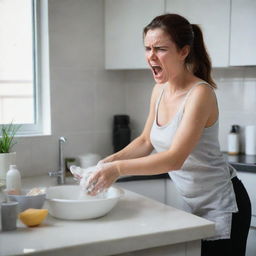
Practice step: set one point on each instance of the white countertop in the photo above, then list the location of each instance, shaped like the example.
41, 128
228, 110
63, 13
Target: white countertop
135, 223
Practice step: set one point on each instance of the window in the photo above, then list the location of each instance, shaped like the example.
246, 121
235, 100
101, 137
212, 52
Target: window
20, 61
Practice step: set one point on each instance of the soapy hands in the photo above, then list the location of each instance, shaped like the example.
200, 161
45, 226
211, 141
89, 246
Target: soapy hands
102, 178
96, 179
81, 175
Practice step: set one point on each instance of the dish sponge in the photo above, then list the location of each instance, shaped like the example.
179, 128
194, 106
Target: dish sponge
33, 217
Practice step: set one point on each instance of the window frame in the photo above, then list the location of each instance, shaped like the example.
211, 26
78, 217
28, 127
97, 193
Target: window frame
39, 23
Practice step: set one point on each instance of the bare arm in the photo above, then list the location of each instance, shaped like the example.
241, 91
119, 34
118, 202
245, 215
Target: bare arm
141, 146
198, 110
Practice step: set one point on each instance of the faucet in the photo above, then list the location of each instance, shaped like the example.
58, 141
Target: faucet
60, 174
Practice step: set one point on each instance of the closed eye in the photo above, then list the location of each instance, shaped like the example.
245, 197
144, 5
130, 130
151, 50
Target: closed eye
147, 48
161, 49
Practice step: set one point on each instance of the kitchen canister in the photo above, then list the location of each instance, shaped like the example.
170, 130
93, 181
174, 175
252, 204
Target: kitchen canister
9, 212
121, 132
250, 140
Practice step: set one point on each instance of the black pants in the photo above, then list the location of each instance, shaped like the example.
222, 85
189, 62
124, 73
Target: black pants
236, 245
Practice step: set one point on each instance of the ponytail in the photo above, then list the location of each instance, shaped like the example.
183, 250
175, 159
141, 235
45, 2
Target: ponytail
201, 63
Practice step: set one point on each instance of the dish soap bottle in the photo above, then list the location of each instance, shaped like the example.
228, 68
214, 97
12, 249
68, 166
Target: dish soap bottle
233, 140
13, 181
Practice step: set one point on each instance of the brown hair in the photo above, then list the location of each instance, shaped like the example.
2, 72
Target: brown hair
183, 33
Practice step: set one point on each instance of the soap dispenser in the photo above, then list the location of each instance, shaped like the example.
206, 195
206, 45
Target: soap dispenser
13, 180
233, 140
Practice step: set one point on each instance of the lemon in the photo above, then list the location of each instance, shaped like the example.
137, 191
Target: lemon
33, 217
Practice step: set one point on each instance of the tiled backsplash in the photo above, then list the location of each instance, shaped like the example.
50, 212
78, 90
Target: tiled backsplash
236, 95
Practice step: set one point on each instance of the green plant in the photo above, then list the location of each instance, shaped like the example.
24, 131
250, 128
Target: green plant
7, 135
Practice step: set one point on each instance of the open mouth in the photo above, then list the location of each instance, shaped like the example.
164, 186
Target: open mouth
156, 69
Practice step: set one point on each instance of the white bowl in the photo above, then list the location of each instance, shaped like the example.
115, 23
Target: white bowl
64, 202
26, 202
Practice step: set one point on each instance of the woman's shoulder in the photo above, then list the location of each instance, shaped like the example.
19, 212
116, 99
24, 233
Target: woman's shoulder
198, 82
202, 87
202, 92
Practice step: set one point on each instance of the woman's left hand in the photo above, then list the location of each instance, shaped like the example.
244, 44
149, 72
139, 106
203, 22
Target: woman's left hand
103, 178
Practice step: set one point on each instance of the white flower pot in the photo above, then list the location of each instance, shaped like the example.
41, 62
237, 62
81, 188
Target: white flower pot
6, 159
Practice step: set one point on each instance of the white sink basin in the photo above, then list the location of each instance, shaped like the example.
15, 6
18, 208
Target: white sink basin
64, 202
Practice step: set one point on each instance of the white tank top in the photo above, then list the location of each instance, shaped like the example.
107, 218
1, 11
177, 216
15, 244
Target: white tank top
204, 180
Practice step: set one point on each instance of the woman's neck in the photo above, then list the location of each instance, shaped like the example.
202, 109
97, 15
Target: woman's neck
181, 82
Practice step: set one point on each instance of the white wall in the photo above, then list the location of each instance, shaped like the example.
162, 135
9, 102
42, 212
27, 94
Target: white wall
84, 96
236, 95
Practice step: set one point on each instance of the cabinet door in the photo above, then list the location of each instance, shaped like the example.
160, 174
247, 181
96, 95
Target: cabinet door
250, 247
243, 33
249, 181
173, 198
154, 189
124, 23
214, 19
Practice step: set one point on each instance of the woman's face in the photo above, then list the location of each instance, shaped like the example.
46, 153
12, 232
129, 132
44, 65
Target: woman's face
162, 55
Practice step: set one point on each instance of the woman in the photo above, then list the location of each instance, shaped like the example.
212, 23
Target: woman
182, 127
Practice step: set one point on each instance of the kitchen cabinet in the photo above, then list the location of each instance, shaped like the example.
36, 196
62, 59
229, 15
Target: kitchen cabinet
154, 189
249, 181
125, 20
243, 33
228, 27
173, 198
251, 248
124, 23
162, 190
213, 18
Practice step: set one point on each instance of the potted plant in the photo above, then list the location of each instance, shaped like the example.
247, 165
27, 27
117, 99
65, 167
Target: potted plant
7, 134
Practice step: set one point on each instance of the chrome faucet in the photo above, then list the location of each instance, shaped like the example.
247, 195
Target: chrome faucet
60, 174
